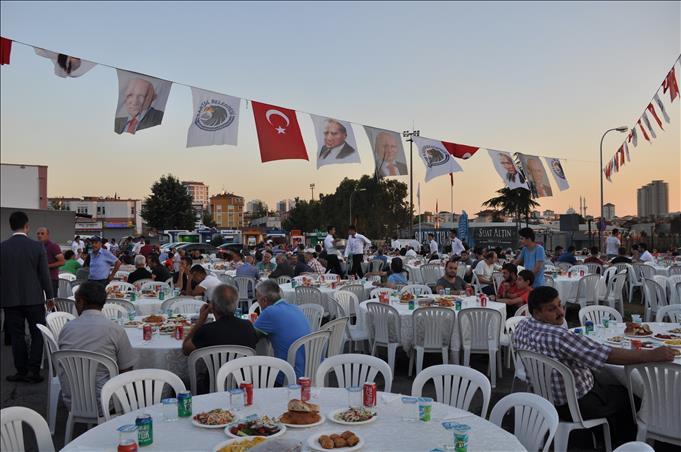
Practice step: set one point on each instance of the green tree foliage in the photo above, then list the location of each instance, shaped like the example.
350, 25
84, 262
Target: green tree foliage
169, 206
379, 208
207, 220
260, 210
516, 202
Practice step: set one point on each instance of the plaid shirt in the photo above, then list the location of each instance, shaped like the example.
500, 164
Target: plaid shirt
316, 266
578, 352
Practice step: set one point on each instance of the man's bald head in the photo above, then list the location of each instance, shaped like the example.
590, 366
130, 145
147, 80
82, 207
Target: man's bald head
138, 96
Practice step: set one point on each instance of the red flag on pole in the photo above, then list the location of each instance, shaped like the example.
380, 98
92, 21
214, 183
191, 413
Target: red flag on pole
652, 111
645, 135
5, 50
278, 133
671, 85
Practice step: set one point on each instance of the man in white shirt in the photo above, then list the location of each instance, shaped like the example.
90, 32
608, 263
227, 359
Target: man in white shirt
76, 246
355, 248
457, 246
433, 246
645, 254
138, 246
205, 283
484, 271
612, 244
410, 253
395, 243
332, 262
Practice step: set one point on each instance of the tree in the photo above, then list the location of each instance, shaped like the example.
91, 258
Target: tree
516, 202
208, 220
58, 204
169, 206
259, 210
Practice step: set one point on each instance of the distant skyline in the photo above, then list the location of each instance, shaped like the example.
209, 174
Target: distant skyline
538, 78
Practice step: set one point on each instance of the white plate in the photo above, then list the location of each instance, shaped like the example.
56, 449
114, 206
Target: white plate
313, 443
217, 447
332, 418
279, 433
319, 422
198, 424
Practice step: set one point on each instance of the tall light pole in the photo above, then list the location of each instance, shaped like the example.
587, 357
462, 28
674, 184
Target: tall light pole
409, 136
312, 188
353, 192
620, 129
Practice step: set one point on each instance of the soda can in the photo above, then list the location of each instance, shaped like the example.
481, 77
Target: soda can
333, 284
369, 394
248, 393
179, 332
254, 317
636, 344
457, 304
411, 305
483, 300
606, 322
184, 404
588, 327
133, 296
469, 291
146, 332
448, 291
145, 430
461, 438
127, 441
131, 315
578, 331
305, 385
162, 295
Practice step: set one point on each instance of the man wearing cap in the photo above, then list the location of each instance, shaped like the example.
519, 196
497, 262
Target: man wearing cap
312, 262
103, 264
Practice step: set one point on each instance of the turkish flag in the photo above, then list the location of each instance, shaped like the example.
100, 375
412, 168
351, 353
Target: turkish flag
461, 151
278, 133
5, 50
670, 85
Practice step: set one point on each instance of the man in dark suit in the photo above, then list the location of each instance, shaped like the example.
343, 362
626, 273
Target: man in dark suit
336, 149
24, 285
138, 97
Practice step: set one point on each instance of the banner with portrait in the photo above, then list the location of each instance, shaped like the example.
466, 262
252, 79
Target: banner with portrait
507, 169
388, 151
66, 65
536, 176
558, 173
215, 119
141, 101
438, 160
335, 141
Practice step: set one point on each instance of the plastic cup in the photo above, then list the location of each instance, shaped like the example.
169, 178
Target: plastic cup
425, 405
354, 397
410, 409
169, 409
236, 399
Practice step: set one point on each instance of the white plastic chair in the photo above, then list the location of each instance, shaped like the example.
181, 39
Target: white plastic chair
337, 328
113, 311
53, 384
674, 270
348, 301
634, 446
261, 371
80, 368
539, 369
497, 279
310, 295
226, 279
246, 288
12, 434
357, 289
480, 332
615, 293
519, 371
120, 302
313, 314
330, 277
67, 276
522, 311
64, 290
347, 305
454, 385
354, 370
137, 389
121, 275
168, 304
672, 311
654, 297
283, 279
373, 278
644, 271
314, 346
597, 313
587, 291
433, 328
140, 282
155, 285
430, 273
119, 286
376, 293
535, 419
56, 321
187, 306
417, 290
213, 358
65, 305
578, 268
672, 283
662, 393
594, 268
386, 325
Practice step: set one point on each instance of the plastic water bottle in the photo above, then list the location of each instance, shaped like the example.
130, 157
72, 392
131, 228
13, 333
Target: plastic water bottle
588, 327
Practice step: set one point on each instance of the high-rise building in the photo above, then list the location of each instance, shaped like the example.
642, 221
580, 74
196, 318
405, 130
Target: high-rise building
198, 192
227, 210
609, 211
653, 199
285, 205
252, 205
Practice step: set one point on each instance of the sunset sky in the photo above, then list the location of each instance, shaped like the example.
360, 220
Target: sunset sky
538, 78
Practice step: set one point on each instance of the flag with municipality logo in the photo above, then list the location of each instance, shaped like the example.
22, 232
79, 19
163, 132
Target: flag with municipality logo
215, 119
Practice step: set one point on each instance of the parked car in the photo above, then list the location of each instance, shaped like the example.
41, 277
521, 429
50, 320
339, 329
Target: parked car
204, 248
222, 249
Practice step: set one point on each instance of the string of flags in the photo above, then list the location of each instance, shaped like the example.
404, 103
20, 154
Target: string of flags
643, 124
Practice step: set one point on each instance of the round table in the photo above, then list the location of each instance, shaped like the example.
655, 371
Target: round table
407, 328
566, 287
388, 433
163, 351
289, 293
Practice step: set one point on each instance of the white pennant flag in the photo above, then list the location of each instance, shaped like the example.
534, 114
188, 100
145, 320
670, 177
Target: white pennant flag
626, 151
438, 161
215, 119
418, 196
634, 136
649, 125
558, 173
660, 105
66, 65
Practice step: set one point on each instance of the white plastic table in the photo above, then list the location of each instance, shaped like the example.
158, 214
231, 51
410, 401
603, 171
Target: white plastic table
163, 351
388, 433
566, 287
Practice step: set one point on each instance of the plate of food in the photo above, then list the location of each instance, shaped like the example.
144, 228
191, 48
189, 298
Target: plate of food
406, 297
672, 343
239, 444
617, 340
167, 328
217, 418
353, 416
301, 414
133, 324
637, 330
149, 294
666, 336
675, 330
445, 302
154, 319
255, 425
344, 441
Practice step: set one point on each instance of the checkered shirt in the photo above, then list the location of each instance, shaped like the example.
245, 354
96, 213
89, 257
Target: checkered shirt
579, 353
316, 266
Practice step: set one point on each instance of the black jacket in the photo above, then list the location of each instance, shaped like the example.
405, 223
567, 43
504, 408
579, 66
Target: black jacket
24, 275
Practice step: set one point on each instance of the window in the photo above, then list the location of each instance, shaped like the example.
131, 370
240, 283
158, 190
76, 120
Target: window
101, 210
82, 209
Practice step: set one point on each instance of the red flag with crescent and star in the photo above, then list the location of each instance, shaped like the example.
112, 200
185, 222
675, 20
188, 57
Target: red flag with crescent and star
5, 50
279, 134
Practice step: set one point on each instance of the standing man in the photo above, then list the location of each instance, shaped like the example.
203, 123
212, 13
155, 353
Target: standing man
457, 246
355, 248
433, 246
332, 263
612, 244
77, 245
24, 285
532, 256
103, 264
55, 258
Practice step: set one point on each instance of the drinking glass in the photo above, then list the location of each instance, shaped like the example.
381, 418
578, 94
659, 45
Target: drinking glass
236, 399
354, 397
169, 409
410, 409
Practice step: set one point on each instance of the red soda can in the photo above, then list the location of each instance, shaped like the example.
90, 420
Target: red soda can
305, 385
254, 317
333, 284
483, 300
146, 332
369, 394
636, 344
248, 393
469, 291
581, 273
179, 332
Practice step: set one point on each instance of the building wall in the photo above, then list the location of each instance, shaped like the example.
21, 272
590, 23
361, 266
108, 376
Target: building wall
653, 199
609, 211
59, 222
23, 186
227, 210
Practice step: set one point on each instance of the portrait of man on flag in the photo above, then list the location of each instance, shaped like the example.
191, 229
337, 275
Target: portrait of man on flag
537, 179
335, 140
388, 152
141, 101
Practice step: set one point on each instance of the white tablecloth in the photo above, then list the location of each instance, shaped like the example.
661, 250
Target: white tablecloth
289, 293
143, 305
407, 325
566, 287
163, 351
388, 433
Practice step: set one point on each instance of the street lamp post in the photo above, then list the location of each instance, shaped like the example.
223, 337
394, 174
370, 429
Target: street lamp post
620, 129
353, 192
409, 136
312, 188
